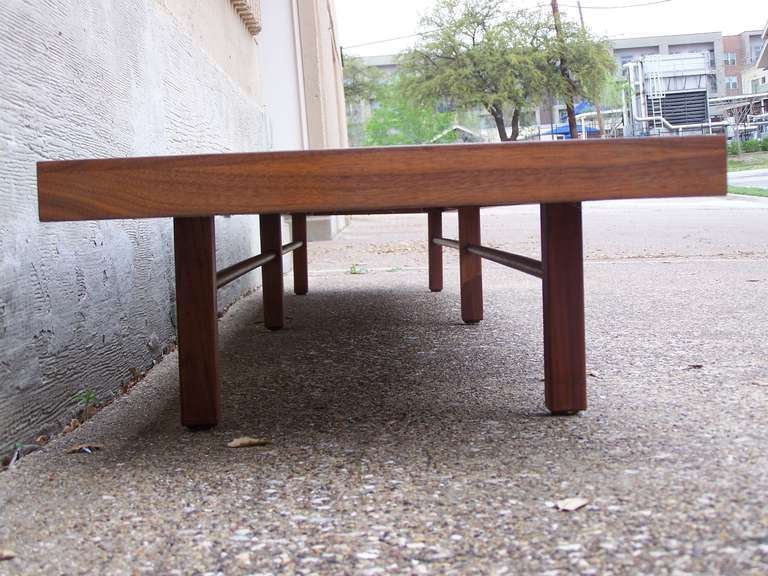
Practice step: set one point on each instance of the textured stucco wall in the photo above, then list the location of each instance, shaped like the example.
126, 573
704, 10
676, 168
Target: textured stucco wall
81, 304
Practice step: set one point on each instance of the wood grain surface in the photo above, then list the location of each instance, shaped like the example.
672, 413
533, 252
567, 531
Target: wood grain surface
197, 321
435, 251
270, 230
381, 178
300, 255
470, 265
562, 257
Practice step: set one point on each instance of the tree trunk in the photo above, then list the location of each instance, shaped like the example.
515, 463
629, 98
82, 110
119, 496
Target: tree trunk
600, 119
498, 117
571, 112
515, 129
569, 108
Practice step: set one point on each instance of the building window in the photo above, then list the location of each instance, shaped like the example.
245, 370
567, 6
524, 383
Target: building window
755, 85
626, 59
731, 82
730, 58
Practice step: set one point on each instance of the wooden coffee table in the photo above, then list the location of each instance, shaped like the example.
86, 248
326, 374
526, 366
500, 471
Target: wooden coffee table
556, 175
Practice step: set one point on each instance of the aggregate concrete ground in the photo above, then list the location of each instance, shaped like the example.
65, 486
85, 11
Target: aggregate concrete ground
406, 442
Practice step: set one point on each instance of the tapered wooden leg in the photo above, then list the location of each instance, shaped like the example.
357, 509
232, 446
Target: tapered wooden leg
272, 272
435, 230
471, 266
300, 268
563, 288
195, 250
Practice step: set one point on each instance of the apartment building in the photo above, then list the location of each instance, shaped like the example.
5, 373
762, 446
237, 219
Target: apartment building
730, 56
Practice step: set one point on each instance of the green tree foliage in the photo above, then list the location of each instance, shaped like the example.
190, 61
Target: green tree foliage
398, 119
591, 67
483, 52
361, 82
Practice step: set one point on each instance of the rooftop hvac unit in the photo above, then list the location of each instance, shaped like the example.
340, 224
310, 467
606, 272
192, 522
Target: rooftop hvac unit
681, 107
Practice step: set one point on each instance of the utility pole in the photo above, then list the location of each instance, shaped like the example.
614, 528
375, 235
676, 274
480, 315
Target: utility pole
596, 103
563, 66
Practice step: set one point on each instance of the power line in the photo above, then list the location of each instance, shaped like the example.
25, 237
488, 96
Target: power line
637, 5
391, 39
620, 7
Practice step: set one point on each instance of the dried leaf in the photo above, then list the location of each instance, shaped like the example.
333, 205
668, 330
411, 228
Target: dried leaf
246, 441
85, 448
7, 555
571, 504
73, 425
89, 411
42, 440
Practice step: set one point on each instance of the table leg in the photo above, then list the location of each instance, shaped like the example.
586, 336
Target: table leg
272, 272
435, 230
563, 289
197, 323
300, 266
470, 266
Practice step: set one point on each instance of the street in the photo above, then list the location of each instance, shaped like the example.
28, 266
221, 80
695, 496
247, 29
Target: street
749, 178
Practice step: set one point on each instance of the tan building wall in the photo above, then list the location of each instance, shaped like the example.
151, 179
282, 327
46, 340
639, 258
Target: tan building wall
216, 27
323, 92
733, 54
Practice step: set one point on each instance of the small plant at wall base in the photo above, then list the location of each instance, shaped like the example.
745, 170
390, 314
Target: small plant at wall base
87, 399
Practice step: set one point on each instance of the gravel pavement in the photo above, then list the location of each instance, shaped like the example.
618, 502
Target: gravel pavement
404, 442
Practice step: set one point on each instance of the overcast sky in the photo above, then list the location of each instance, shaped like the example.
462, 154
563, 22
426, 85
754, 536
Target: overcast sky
363, 21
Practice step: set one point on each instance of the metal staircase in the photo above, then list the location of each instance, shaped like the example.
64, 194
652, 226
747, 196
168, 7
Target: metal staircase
655, 96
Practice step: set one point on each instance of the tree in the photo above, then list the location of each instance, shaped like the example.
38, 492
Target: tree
483, 53
563, 72
397, 119
478, 52
590, 70
361, 82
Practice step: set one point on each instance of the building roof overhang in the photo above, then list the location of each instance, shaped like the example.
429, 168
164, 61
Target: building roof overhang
762, 60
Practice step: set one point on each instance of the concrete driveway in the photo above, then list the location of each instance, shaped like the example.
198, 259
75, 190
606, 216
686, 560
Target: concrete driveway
404, 442
749, 178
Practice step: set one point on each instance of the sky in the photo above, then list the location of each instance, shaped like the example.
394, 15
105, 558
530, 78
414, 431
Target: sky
364, 21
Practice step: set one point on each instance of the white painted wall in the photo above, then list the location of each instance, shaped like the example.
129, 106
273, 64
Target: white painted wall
81, 304
281, 71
